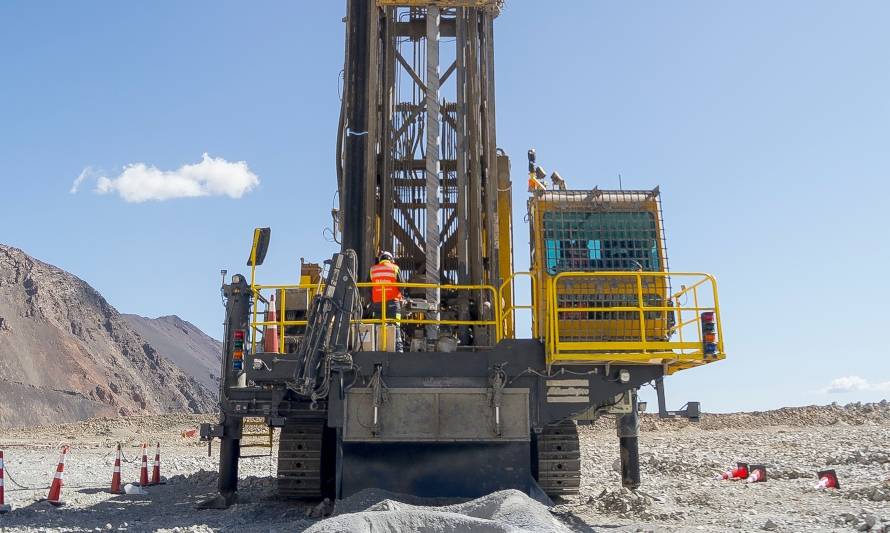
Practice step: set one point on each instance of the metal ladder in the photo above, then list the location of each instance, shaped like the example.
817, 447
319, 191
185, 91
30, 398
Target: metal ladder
255, 433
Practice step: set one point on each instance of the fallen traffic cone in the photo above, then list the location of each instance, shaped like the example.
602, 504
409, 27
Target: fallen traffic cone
739, 472
55, 490
156, 470
270, 332
3, 507
757, 474
828, 480
143, 472
116, 475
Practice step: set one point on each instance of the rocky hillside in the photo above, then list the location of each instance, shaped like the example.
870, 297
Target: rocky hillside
66, 354
193, 351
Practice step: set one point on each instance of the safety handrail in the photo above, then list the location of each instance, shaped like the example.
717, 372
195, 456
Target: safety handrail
281, 306
509, 312
684, 351
642, 350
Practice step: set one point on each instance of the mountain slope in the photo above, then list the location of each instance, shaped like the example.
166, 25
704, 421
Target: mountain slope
65, 353
193, 351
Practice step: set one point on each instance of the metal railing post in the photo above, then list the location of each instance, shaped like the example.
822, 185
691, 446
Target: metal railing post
383, 319
697, 313
280, 318
642, 313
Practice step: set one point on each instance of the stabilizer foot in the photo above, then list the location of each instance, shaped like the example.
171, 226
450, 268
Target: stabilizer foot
219, 502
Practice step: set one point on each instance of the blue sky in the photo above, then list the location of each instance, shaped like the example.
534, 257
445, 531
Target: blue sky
766, 124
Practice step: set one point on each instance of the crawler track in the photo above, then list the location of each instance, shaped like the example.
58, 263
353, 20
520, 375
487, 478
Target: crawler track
559, 459
300, 457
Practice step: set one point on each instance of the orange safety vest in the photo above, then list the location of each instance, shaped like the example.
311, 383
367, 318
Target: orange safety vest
385, 272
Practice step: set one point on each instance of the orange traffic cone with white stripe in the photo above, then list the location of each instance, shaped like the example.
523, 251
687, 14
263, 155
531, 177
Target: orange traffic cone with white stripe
143, 472
827, 480
156, 470
55, 490
270, 332
3, 507
116, 475
757, 474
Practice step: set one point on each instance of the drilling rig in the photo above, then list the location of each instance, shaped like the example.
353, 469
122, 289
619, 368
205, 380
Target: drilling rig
471, 405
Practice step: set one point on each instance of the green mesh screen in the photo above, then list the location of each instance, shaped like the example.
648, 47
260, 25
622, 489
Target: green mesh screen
577, 241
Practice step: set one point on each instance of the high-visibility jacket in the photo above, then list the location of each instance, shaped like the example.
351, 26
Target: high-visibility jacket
385, 272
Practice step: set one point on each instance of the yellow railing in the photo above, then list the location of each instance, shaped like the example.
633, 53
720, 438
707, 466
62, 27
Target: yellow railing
281, 305
648, 322
654, 333
280, 308
508, 312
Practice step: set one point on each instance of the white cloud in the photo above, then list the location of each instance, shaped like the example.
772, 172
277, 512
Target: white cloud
83, 175
855, 384
210, 177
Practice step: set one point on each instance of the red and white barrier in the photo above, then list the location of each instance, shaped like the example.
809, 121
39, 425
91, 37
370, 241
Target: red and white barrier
3, 507
757, 474
270, 332
143, 472
739, 472
116, 475
55, 490
156, 469
828, 480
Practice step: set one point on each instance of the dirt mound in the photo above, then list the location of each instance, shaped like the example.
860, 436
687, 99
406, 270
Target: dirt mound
874, 493
625, 503
852, 414
508, 511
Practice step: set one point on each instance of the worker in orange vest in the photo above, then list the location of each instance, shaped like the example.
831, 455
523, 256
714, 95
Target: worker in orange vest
387, 271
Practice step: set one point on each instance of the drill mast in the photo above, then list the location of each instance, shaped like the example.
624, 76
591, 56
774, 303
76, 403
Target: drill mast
418, 160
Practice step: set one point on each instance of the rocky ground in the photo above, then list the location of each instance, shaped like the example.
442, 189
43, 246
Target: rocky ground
679, 493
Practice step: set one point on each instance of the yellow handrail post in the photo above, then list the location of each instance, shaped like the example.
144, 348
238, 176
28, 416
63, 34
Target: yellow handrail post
642, 313
253, 333
679, 325
253, 290
553, 317
383, 320
717, 315
281, 320
534, 306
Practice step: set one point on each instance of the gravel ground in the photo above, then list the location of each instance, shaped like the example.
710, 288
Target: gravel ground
679, 493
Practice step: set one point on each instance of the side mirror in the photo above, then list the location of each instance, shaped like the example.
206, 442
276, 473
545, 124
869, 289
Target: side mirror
260, 246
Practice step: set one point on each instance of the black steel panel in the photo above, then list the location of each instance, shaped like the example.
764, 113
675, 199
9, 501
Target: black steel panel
436, 470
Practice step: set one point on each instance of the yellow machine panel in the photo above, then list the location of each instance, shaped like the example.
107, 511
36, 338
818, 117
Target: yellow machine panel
602, 285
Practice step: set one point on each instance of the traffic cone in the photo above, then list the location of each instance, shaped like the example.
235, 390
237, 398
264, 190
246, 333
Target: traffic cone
143, 472
3, 507
827, 480
270, 333
757, 474
116, 476
55, 490
156, 470
739, 472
